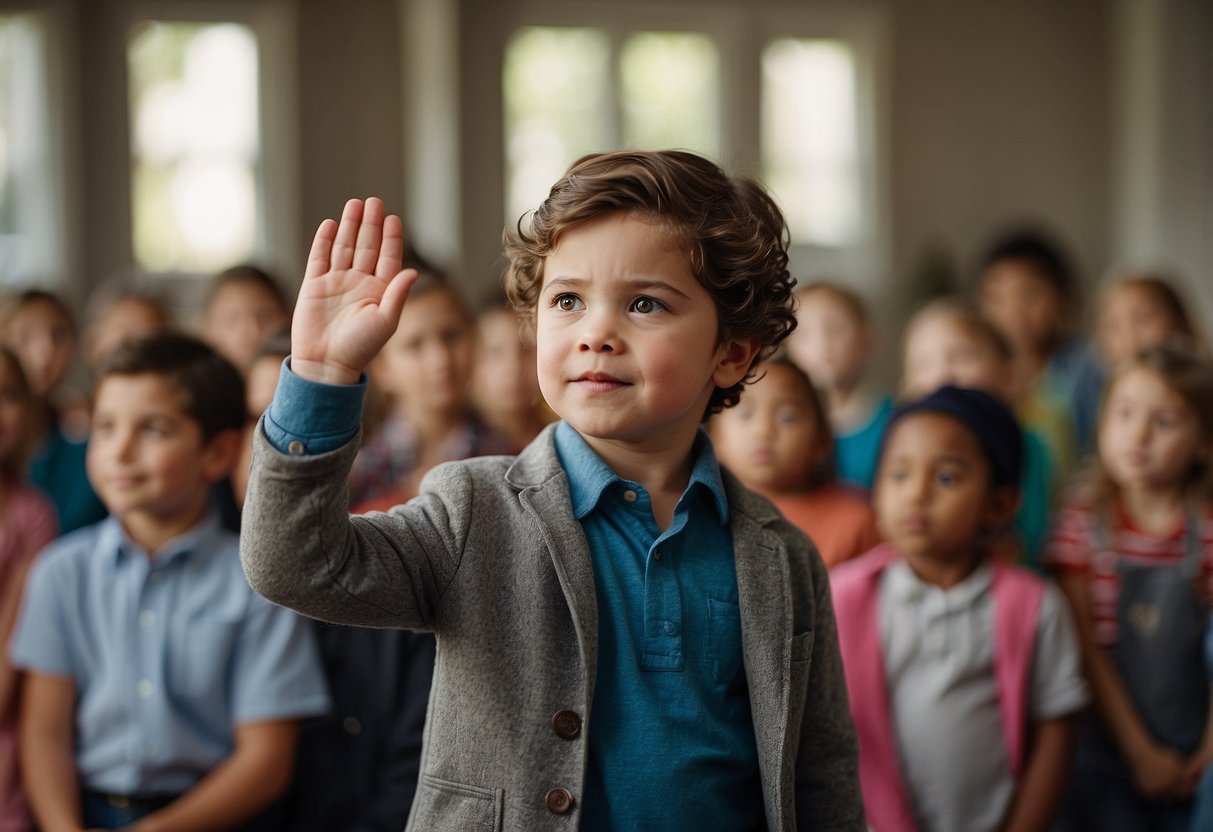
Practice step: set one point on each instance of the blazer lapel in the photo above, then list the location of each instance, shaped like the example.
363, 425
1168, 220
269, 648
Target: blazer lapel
766, 634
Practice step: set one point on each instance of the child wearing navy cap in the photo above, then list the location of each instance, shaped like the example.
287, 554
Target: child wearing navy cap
963, 672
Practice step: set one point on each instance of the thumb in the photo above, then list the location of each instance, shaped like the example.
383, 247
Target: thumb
394, 296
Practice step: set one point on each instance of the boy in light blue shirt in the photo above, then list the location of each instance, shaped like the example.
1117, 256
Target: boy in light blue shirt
627, 638
160, 693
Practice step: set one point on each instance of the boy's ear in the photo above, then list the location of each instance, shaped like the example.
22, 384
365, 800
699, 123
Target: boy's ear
733, 360
1000, 510
219, 455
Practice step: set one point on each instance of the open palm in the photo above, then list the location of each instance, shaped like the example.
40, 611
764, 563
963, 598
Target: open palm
352, 294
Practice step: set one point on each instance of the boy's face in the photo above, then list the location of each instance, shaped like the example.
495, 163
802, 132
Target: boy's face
829, 342
933, 496
1148, 435
146, 457
1132, 319
1021, 303
43, 341
940, 351
240, 317
428, 362
628, 350
506, 380
772, 439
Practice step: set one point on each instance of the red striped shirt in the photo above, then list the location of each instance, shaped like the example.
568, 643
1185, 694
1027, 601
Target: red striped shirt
1073, 547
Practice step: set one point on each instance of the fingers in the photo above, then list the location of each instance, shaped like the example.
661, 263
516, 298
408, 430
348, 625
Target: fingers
391, 252
342, 256
370, 233
318, 261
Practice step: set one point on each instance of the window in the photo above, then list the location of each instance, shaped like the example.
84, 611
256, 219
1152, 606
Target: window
787, 96
31, 244
196, 191
568, 92
810, 150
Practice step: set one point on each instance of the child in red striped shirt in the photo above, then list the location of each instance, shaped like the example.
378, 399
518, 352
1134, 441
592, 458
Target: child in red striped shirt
1134, 550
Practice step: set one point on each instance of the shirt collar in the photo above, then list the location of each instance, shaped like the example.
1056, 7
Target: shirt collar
907, 586
589, 476
112, 538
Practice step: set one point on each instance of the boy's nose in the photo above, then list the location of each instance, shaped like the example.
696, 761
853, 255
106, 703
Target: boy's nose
599, 335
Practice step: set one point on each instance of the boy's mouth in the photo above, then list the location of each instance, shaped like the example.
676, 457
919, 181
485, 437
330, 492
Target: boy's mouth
599, 382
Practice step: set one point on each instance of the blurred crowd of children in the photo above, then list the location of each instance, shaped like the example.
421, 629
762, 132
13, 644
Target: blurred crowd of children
1020, 537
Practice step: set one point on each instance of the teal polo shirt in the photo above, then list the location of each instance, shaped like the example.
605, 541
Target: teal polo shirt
670, 733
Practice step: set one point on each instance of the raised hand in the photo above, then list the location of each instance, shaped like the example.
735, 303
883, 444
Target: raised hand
352, 293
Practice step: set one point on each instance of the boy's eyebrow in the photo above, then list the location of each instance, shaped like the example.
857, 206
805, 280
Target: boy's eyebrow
638, 284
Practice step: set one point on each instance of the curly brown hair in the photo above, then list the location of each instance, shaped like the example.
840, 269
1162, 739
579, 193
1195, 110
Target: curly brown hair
735, 233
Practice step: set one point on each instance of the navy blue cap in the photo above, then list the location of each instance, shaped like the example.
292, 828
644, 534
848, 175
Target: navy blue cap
991, 421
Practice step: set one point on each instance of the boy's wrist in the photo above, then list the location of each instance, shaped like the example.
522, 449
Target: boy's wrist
322, 372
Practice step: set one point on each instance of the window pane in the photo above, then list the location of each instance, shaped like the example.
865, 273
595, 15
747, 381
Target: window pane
557, 104
670, 92
30, 246
809, 139
195, 144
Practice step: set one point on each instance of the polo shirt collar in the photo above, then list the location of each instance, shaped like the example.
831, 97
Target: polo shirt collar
589, 477
908, 587
112, 538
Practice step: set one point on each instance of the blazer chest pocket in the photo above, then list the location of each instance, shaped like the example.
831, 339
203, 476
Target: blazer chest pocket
446, 805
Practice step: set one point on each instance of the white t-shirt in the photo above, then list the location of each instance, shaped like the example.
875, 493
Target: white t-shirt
939, 662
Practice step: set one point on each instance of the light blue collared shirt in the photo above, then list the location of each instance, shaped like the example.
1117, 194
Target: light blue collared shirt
167, 654
671, 736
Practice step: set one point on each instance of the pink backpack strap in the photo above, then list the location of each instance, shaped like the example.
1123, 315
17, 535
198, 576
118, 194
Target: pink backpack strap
856, 594
1017, 597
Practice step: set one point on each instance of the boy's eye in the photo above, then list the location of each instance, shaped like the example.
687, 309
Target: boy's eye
567, 303
646, 305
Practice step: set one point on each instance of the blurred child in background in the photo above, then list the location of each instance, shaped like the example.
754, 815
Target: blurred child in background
833, 342
1028, 288
261, 377
1142, 311
115, 313
948, 342
1134, 549
963, 671
245, 305
505, 385
27, 523
160, 691
426, 369
41, 331
777, 441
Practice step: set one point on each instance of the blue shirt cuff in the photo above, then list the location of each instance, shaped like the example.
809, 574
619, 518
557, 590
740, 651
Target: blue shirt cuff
308, 417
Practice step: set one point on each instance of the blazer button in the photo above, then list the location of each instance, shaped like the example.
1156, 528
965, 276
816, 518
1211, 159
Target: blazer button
567, 724
558, 801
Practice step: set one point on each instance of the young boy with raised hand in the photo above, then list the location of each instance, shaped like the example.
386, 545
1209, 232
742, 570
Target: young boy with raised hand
161, 692
627, 639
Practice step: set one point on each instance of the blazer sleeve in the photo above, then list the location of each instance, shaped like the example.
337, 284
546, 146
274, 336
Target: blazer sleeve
301, 549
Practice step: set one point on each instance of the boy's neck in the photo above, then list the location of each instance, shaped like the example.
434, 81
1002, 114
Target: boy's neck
848, 406
663, 472
944, 573
152, 533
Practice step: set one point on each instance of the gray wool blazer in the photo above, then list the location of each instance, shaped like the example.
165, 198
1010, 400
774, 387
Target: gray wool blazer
490, 558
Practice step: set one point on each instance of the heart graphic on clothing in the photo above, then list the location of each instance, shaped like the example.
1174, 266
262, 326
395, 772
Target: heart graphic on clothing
1144, 619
